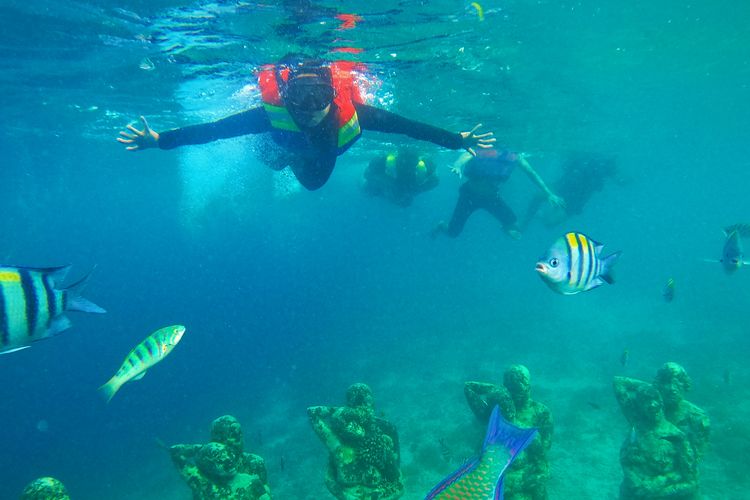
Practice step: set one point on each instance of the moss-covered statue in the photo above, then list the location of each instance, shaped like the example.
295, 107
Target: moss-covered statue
658, 461
673, 384
528, 476
363, 450
45, 488
221, 469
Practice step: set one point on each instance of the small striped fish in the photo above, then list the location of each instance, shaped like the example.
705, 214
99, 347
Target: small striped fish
33, 308
142, 357
482, 477
573, 264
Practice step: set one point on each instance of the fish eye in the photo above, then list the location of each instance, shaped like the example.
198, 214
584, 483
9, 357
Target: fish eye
554, 262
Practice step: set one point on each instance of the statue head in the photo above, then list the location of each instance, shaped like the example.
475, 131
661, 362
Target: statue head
227, 430
359, 395
673, 383
517, 380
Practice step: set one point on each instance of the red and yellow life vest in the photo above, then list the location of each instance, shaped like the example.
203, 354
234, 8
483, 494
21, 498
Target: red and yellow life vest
285, 130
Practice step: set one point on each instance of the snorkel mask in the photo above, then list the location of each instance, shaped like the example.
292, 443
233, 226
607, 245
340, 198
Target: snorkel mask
309, 88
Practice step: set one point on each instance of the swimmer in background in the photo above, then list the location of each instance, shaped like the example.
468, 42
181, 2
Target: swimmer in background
399, 176
583, 175
485, 173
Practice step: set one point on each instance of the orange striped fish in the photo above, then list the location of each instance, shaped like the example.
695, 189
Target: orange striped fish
145, 355
481, 478
574, 264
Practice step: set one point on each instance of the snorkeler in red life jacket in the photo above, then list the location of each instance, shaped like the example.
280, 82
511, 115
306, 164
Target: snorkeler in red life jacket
314, 112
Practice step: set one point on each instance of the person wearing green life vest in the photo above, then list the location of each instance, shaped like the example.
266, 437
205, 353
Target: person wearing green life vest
399, 176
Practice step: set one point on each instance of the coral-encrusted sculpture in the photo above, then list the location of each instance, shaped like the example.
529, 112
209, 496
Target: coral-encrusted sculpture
221, 469
363, 449
528, 476
657, 458
45, 488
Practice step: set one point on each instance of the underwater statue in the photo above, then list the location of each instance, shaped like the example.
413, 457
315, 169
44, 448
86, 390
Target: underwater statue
673, 384
45, 488
221, 469
657, 459
528, 476
363, 450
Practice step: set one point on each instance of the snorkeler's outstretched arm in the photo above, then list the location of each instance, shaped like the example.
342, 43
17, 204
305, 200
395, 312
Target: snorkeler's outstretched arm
458, 166
537, 179
252, 121
380, 120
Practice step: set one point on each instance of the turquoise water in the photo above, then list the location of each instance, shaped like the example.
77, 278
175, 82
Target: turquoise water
290, 296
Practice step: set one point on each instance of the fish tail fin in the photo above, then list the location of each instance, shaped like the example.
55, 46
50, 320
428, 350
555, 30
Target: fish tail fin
503, 433
75, 302
514, 439
607, 265
109, 389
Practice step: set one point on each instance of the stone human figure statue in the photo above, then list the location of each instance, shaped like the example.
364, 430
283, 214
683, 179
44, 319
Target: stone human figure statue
363, 450
528, 476
221, 469
657, 459
673, 383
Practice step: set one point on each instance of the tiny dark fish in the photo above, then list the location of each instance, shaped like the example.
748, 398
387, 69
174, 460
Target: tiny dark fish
668, 292
732, 253
445, 451
595, 406
281, 463
624, 358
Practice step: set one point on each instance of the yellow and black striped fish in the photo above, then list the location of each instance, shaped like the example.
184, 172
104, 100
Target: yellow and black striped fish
573, 264
33, 308
142, 357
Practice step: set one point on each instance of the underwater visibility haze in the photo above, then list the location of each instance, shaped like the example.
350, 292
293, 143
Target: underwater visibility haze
289, 296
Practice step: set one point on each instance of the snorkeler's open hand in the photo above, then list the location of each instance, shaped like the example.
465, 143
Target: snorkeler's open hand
139, 139
472, 140
556, 201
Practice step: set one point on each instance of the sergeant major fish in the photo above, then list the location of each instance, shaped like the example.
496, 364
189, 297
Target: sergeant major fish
481, 478
573, 264
145, 355
732, 255
33, 308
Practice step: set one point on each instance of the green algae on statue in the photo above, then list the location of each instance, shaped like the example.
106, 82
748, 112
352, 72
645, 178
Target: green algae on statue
527, 478
363, 450
221, 469
45, 488
657, 458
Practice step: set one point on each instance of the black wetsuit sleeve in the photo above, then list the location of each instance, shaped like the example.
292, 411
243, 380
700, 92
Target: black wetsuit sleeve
380, 120
252, 121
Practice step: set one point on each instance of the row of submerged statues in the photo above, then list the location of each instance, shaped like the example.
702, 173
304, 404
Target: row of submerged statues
660, 454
